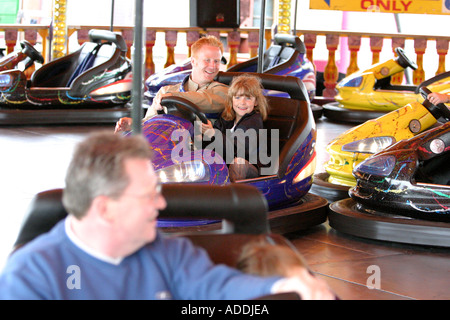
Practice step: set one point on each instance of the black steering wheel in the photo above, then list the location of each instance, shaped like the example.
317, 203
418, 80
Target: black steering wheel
183, 108
403, 60
439, 110
31, 51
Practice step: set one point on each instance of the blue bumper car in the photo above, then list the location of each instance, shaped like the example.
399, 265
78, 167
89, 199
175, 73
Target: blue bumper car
90, 85
290, 155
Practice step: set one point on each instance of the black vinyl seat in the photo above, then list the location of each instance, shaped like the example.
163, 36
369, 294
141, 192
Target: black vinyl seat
107, 47
279, 56
289, 115
243, 208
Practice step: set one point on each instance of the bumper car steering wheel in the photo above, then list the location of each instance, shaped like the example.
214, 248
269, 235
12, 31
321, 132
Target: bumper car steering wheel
31, 51
439, 110
403, 60
183, 108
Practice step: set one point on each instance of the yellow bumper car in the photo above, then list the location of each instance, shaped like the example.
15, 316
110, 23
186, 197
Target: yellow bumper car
364, 140
369, 94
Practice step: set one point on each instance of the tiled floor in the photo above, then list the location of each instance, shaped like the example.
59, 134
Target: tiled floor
34, 159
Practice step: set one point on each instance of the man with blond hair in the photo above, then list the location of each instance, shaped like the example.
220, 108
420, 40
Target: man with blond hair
199, 88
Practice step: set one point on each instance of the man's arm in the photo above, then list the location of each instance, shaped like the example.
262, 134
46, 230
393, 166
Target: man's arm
212, 99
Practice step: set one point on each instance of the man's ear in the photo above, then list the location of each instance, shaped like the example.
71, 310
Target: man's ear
101, 207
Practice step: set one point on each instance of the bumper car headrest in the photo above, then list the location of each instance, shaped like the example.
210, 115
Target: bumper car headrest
294, 41
97, 36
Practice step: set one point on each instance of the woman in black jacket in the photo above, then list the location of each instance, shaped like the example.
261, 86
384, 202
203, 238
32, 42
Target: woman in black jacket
238, 126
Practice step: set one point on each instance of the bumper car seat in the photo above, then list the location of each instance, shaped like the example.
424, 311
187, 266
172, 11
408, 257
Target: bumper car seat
101, 53
286, 115
282, 54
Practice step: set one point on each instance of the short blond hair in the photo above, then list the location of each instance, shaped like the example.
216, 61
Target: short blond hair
206, 41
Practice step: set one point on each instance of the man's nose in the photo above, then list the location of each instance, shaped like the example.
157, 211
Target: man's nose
213, 64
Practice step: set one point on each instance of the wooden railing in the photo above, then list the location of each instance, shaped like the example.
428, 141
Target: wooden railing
376, 43
14, 32
233, 38
40, 33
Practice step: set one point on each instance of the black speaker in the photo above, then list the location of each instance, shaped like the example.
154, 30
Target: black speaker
214, 13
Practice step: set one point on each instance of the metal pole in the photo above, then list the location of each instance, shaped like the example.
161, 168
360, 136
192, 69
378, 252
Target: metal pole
294, 29
112, 15
261, 37
138, 65
399, 30
397, 23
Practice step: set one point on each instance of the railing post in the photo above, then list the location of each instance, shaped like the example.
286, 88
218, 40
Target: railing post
82, 36
234, 40
45, 47
354, 43
150, 38
253, 43
376, 44
10, 39
398, 77
310, 44
127, 35
191, 37
268, 37
330, 74
442, 49
31, 37
420, 45
171, 42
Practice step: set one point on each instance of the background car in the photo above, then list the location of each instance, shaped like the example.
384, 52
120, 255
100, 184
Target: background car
358, 143
21, 59
368, 94
402, 193
92, 84
410, 178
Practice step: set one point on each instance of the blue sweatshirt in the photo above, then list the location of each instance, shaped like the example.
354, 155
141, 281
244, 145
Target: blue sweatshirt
53, 267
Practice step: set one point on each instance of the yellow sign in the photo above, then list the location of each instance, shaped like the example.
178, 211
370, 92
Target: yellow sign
392, 6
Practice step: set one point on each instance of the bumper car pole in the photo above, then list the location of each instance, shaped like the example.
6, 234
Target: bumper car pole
259, 68
111, 28
138, 65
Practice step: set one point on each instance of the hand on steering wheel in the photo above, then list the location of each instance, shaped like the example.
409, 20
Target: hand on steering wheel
184, 108
439, 110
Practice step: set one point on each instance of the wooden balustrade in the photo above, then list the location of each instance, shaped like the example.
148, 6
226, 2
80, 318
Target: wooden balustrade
13, 33
233, 39
376, 42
